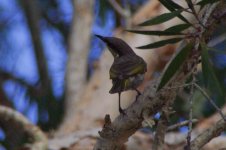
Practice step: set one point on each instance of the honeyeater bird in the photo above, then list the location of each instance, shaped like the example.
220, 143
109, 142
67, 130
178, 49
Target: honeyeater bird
127, 70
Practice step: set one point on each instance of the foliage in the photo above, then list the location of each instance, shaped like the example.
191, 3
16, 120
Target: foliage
175, 64
211, 81
30, 86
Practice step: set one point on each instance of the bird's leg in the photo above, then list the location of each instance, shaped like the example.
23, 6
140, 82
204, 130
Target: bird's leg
120, 108
138, 93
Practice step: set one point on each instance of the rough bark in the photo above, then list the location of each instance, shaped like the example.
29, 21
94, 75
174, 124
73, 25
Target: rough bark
209, 122
96, 101
115, 134
208, 135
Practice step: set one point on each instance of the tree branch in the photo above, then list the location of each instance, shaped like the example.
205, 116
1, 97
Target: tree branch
8, 76
158, 143
79, 46
18, 128
180, 124
210, 101
123, 12
208, 135
3, 97
115, 134
32, 15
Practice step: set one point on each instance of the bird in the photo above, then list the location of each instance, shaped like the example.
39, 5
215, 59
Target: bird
128, 69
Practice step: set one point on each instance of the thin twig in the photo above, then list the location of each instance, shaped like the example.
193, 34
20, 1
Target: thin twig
180, 124
191, 6
180, 86
118, 8
190, 113
210, 100
158, 143
204, 94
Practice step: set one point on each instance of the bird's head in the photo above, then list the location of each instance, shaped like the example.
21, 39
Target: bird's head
117, 46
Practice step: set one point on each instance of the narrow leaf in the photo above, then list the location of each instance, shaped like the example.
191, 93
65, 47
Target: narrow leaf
160, 43
178, 28
171, 6
158, 33
174, 65
209, 75
205, 2
216, 50
190, 4
161, 18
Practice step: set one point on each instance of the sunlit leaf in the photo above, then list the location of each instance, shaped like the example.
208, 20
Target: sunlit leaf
174, 65
160, 43
178, 28
209, 75
158, 33
161, 18
172, 6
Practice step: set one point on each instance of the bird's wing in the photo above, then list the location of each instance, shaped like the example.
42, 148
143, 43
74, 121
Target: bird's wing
127, 66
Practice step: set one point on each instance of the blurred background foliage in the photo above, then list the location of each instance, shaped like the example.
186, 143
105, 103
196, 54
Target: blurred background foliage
31, 75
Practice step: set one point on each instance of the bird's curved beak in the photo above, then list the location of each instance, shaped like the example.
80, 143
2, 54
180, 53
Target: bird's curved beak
100, 37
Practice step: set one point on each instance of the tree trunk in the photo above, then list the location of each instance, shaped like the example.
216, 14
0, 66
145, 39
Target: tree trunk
79, 45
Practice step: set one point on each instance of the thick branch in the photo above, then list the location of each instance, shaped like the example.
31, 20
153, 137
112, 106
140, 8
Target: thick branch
150, 102
115, 134
18, 128
208, 135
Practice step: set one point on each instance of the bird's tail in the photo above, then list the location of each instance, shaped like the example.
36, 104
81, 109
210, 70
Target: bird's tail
118, 86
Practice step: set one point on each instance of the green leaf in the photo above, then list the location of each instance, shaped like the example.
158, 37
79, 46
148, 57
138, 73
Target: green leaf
205, 2
190, 4
161, 18
216, 50
172, 6
158, 33
178, 28
174, 65
160, 43
209, 75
